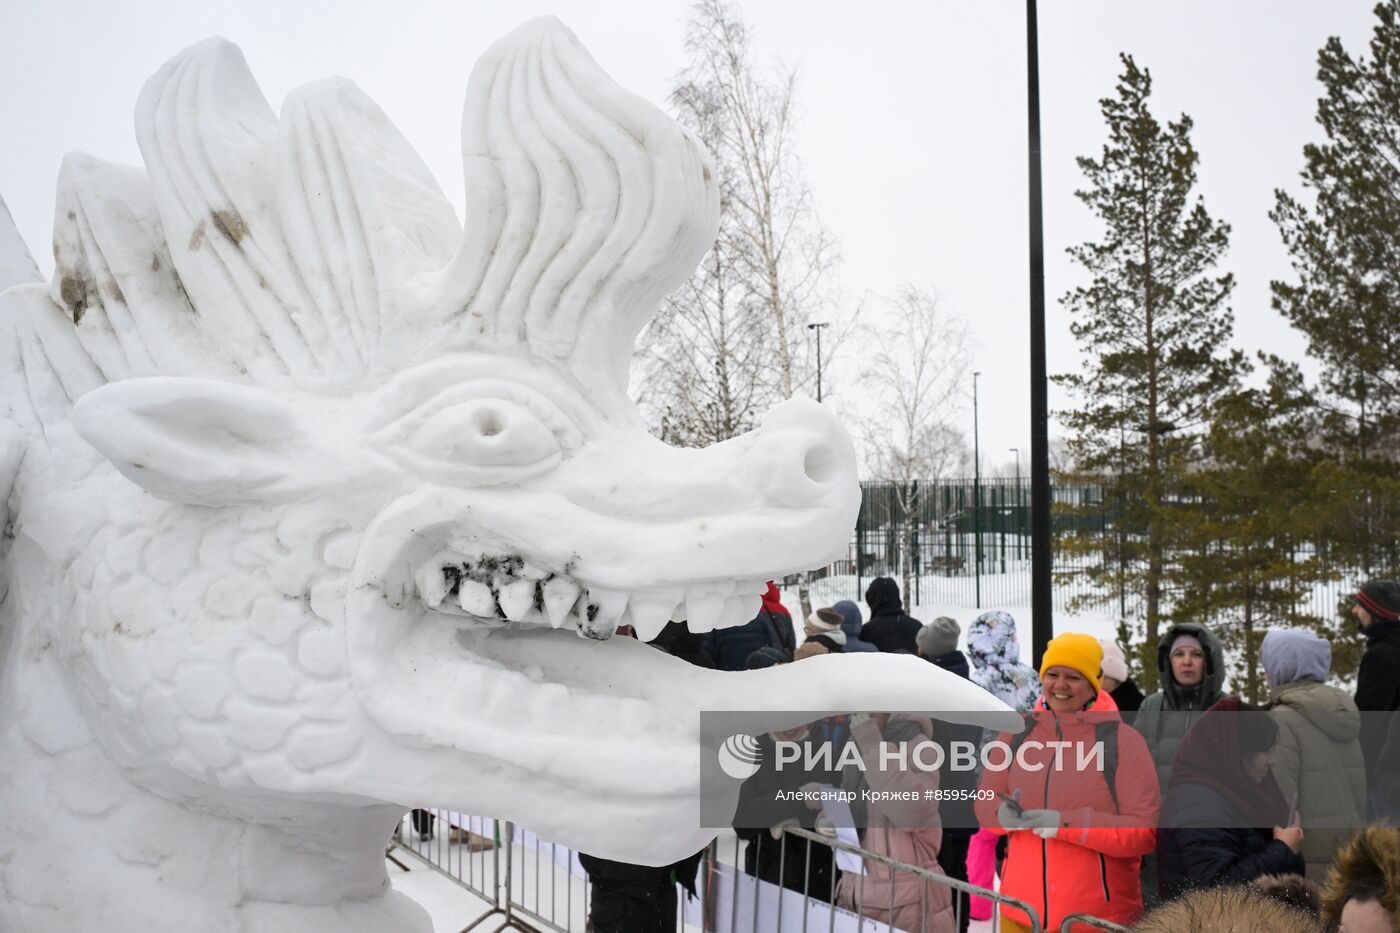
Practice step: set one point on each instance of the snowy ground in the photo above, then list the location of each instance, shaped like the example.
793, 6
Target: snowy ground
948, 601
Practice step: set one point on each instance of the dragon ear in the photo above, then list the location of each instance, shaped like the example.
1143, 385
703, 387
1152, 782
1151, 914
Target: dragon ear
199, 441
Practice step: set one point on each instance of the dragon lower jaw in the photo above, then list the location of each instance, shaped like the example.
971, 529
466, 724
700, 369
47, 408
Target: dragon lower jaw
596, 744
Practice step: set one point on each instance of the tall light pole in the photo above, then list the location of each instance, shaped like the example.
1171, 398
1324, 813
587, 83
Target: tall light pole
1017, 452
1042, 600
976, 496
818, 328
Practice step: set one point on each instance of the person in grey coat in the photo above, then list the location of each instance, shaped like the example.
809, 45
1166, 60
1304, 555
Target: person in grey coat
1318, 760
1191, 669
851, 622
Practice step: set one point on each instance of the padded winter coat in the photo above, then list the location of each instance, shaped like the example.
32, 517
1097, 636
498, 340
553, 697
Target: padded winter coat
1201, 846
995, 653
1378, 686
908, 831
1092, 864
1319, 758
1164, 733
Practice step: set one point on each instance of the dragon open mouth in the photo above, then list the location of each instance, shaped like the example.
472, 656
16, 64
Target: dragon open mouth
460, 647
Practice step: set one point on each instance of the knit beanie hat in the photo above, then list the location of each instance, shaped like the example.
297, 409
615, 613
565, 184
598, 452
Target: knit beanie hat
1115, 664
939, 637
1381, 598
1187, 640
1078, 652
824, 620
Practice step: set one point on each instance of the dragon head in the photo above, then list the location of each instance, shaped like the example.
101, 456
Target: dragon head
350, 502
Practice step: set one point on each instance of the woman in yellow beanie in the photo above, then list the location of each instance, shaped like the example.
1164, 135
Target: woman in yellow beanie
1077, 837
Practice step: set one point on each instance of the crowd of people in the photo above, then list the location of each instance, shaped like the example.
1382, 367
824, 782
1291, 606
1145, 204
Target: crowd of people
1206, 813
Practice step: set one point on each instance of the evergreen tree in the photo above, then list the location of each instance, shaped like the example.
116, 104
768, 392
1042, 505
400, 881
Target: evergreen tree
1345, 252
1244, 566
1154, 328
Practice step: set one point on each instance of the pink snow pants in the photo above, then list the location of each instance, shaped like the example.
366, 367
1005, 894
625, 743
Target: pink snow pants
981, 870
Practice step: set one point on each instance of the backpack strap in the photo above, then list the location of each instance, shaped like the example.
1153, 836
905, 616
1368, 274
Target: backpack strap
1107, 733
1019, 739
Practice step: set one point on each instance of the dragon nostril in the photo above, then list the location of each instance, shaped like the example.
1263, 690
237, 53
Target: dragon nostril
821, 464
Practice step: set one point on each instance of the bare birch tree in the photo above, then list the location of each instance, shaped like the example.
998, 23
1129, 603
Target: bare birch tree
915, 375
734, 341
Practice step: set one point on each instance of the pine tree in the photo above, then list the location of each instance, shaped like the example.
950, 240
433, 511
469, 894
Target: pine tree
1245, 565
1345, 252
1154, 328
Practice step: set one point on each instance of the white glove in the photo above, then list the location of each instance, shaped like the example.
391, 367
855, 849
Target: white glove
825, 826
1046, 832
1012, 818
777, 831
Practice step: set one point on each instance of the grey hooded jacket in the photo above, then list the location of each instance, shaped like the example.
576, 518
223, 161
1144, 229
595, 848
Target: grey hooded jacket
1318, 756
1166, 715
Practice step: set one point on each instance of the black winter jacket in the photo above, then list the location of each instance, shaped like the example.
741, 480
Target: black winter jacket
731, 647
890, 630
1128, 697
790, 861
957, 814
1196, 848
1378, 687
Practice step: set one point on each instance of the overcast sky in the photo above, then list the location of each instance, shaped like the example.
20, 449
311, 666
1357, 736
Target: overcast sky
913, 121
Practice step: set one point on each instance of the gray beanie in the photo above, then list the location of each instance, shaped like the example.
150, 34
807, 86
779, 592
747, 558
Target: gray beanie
1292, 654
939, 637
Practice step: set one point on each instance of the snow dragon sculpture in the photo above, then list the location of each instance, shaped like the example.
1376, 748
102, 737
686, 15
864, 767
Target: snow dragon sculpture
304, 490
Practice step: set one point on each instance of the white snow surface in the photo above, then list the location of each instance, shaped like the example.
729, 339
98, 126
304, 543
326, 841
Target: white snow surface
829, 590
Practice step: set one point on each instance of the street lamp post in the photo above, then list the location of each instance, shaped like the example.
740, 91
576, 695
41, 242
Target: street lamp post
1042, 598
976, 497
818, 328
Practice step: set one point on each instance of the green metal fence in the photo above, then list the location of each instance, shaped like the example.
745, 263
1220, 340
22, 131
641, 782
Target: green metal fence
966, 544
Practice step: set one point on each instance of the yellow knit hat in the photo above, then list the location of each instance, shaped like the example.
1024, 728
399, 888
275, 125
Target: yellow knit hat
1082, 653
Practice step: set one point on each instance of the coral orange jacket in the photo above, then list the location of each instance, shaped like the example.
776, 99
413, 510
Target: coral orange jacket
1091, 865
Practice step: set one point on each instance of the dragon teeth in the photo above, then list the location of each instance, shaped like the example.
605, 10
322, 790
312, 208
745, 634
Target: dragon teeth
738, 610
600, 612
476, 599
516, 598
559, 594
703, 609
432, 585
648, 616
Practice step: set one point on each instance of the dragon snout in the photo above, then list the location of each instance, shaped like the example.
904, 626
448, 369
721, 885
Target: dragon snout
801, 455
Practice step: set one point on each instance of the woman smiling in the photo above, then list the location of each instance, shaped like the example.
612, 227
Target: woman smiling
1069, 823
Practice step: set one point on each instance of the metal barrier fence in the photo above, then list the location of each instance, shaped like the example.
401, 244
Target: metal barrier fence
1094, 922
535, 885
465, 849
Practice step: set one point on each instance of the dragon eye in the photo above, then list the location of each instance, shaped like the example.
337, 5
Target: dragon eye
486, 432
